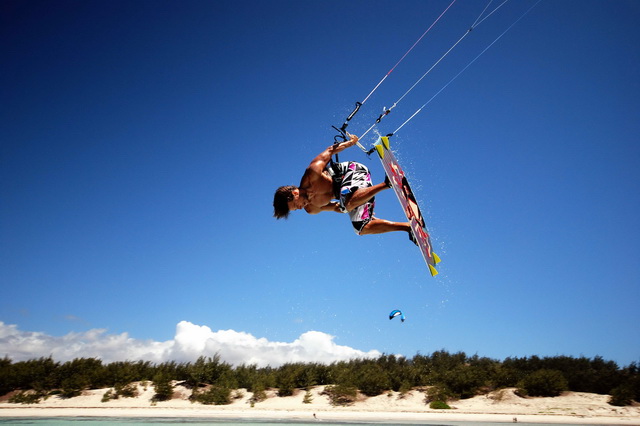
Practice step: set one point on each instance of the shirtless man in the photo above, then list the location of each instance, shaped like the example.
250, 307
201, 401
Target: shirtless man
348, 182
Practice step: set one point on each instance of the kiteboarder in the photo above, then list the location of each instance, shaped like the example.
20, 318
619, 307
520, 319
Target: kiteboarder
337, 187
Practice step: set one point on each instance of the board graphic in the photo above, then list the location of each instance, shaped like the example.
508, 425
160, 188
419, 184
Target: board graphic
403, 191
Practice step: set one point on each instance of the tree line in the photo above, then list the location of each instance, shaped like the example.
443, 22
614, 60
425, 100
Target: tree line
443, 376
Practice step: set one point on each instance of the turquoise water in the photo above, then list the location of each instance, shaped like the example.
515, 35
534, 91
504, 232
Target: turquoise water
119, 421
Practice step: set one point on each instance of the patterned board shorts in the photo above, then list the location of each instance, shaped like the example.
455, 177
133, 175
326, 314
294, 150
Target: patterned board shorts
355, 176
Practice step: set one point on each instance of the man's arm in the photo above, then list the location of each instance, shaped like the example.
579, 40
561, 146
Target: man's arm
331, 207
320, 162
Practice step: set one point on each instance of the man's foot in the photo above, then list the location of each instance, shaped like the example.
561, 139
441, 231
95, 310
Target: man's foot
412, 237
387, 181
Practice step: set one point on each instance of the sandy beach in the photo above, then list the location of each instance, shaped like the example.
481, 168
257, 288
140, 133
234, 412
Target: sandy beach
499, 406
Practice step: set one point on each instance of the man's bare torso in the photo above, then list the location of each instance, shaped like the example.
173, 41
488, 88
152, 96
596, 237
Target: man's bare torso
318, 187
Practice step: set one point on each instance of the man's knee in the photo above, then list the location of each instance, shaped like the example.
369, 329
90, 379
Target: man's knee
347, 202
360, 227
353, 202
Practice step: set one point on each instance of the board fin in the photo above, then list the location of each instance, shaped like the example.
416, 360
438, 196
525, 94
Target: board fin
433, 270
385, 141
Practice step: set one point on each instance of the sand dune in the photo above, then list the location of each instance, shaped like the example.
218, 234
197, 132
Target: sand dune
499, 406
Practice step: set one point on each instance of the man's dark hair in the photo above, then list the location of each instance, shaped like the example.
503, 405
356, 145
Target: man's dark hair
281, 201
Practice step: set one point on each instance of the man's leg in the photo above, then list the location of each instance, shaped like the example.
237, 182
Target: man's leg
364, 195
380, 226
364, 213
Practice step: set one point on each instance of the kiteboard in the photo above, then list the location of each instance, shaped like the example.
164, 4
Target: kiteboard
403, 191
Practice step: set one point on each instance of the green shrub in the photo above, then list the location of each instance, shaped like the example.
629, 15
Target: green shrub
70, 392
206, 370
307, 397
215, 395
372, 380
285, 379
341, 394
543, 382
621, 396
437, 393
285, 391
464, 381
439, 405
259, 394
634, 386
163, 387
405, 389
73, 386
456, 374
28, 397
126, 391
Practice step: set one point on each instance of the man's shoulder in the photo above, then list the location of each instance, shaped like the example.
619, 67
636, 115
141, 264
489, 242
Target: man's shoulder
312, 173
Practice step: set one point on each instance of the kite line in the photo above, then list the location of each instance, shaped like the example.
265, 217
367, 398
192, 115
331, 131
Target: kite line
477, 22
342, 130
464, 69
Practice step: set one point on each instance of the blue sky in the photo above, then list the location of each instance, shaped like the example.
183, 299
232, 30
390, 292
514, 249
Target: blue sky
142, 142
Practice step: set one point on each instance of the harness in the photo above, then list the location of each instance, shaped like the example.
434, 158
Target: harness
336, 173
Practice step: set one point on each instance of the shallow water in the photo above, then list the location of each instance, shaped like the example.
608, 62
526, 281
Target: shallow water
167, 421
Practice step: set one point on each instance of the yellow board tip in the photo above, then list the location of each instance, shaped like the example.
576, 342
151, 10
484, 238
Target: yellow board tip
433, 270
436, 258
385, 141
380, 150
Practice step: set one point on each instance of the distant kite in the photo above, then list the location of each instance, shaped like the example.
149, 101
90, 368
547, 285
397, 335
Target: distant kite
396, 313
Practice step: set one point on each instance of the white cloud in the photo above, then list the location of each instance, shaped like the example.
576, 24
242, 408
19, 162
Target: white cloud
190, 342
